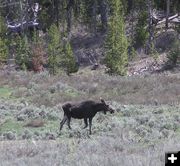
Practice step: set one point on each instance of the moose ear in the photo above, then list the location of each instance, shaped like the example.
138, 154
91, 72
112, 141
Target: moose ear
102, 100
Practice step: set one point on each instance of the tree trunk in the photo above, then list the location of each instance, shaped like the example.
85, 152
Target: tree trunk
94, 12
69, 15
130, 5
167, 13
104, 14
21, 14
56, 11
150, 27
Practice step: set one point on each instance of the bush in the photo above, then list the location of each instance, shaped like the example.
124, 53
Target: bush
174, 54
9, 135
38, 57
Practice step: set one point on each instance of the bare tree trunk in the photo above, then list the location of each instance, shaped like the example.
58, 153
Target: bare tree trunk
21, 14
167, 13
56, 11
94, 12
130, 5
104, 14
150, 27
69, 15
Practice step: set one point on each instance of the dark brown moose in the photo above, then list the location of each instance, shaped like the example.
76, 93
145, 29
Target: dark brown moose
84, 110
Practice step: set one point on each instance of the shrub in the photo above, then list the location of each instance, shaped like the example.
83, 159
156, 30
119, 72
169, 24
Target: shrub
27, 134
9, 135
174, 54
38, 57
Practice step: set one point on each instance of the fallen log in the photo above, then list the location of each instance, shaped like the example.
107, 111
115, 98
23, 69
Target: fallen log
170, 18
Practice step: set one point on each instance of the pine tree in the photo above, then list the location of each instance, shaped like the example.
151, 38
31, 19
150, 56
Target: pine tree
3, 50
69, 60
141, 32
55, 49
23, 54
3, 41
116, 57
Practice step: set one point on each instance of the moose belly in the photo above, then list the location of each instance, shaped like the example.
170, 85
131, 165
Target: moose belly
81, 115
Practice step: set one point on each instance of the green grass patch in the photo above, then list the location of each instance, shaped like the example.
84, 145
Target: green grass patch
18, 127
50, 126
5, 92
72, 93
11, 125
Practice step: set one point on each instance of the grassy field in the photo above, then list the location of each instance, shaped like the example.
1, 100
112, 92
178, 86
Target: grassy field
146, 123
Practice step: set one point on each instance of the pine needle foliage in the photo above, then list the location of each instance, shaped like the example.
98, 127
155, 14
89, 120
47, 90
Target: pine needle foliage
116, 56
3, 41
69, 61
60, 54
55, 49
23, 53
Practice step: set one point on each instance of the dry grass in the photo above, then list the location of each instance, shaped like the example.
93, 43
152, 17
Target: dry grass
135, 135
79, 152
35, 123
42, 89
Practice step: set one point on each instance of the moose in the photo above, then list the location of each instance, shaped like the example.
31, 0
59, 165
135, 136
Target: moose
84, 110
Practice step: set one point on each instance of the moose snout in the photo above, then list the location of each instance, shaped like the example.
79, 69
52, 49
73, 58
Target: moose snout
112, 111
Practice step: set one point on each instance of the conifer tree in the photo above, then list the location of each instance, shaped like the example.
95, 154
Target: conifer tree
69, 61
116, 57
141, 32
22, 52
3, 50
55, 49
3, 41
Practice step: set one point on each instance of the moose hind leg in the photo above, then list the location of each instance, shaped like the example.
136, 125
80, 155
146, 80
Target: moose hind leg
62, 122
68, 122
90, 124
86, 123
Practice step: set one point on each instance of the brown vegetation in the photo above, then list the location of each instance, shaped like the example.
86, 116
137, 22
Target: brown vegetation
35, 123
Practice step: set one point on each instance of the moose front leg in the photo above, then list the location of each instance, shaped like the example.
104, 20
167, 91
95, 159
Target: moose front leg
86, 123
90, 124
62, 122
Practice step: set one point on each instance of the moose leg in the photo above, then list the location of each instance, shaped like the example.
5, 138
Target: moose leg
62, 122
68, 122
86, 123
90, 124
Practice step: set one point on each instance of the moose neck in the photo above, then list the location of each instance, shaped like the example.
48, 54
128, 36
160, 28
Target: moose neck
99, 107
